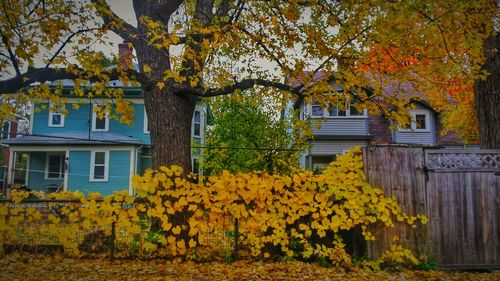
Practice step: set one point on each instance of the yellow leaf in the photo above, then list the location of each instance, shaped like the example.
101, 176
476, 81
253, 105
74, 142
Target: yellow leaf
176, 230
192, 243
146, 68
171, 239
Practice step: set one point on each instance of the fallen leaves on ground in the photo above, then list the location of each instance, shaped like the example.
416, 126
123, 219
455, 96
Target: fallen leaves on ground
37, 267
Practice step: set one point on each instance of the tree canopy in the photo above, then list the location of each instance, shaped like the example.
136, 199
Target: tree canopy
384, 52
247, 134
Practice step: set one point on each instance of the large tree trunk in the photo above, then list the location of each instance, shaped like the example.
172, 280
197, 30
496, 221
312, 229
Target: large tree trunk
169, 119
169, 115
487, 96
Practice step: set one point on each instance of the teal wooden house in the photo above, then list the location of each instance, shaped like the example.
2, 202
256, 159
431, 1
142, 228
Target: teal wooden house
80, 151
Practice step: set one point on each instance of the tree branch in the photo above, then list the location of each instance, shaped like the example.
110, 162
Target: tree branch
42, 75
68, 40
223, 8
239, 8
12, 56
238, 86
168, 8
266, 49
113, 21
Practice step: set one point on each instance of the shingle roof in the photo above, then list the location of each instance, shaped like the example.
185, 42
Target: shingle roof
77, 137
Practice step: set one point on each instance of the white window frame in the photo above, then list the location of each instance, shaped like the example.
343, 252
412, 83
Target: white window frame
193, 134
413, 124
92, 166
51, 114
145, 130
94, 118
326, 113
193, 160
323, 111
62, 168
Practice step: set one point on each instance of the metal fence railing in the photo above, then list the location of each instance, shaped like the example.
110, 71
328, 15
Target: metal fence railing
38, 235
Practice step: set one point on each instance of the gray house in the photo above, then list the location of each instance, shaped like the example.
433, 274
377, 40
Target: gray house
336, 131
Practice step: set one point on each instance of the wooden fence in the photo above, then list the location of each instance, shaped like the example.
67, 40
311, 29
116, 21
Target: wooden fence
458, 190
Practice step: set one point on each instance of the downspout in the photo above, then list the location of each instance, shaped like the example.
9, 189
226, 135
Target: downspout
137, 149
90, 116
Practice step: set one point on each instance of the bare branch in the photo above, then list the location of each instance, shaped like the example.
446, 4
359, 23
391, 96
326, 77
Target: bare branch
12, 56
113, 21
68, 40
441, 31
236, 15
266, 49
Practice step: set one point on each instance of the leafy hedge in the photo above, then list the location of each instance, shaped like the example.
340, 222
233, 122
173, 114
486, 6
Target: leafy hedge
298, 216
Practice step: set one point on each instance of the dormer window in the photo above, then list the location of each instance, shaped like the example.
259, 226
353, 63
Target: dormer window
56, 118
420, 121
99, 124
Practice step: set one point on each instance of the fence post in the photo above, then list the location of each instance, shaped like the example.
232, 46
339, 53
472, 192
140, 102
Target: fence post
113, 236
236, 240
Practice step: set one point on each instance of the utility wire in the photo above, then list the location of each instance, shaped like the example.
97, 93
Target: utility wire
126, 142
69, 174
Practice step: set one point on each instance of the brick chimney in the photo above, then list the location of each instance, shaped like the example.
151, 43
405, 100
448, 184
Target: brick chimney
124, 55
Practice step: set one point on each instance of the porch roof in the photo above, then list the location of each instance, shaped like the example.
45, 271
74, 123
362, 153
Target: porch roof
74, 138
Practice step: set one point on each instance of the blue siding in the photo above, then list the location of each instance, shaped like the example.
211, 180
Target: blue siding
76, 120
118, 177
36, 177
81, 119
135, 130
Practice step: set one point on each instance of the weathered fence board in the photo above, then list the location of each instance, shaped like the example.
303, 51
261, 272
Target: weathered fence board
400, 173
459, 190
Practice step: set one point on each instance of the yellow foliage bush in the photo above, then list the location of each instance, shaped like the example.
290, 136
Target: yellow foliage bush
298, 216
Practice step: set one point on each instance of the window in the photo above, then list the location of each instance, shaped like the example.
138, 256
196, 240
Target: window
420, 121
316, 109
54, 168
99, 166
146, 122
196, 166
354, 112
5, 130
336, 111
56, 119
321, 162
197, 123
99, 124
